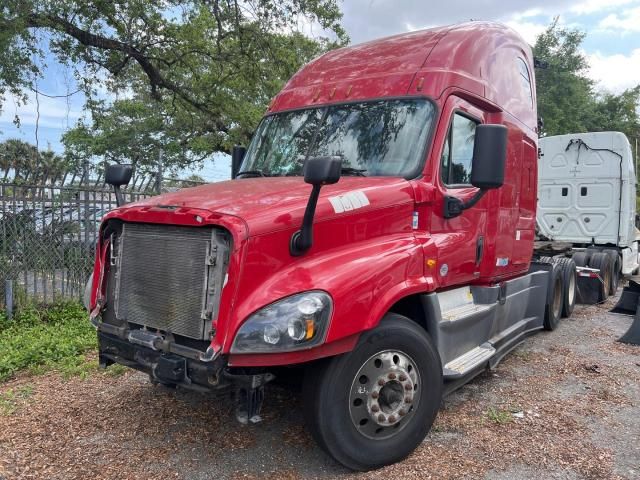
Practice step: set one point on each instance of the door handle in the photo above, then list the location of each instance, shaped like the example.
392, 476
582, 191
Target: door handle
479, 249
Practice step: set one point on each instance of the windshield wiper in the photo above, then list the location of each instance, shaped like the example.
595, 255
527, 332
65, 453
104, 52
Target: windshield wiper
257, 173
353, 171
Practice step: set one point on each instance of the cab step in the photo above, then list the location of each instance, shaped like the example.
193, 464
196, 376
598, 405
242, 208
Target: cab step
467, 362
463, 311
458, 304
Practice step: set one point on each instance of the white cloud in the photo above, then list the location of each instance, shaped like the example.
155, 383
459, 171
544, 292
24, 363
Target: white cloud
528, 30
587, 7
52, 112
628, 22
615, 73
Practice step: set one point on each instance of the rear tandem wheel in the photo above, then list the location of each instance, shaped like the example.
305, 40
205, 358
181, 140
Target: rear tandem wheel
555, 298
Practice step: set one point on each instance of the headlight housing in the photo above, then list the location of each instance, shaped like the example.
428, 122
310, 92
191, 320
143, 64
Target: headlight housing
293, 323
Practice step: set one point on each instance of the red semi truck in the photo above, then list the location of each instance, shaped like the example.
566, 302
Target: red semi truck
378, 236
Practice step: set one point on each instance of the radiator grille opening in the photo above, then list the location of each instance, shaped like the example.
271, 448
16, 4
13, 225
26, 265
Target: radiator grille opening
170, 278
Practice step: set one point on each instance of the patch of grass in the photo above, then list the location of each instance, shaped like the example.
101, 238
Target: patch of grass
10, 399
116, 370
501, 417
78, 367
39, 339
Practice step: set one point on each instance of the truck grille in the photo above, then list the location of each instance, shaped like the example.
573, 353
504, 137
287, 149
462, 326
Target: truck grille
170, 278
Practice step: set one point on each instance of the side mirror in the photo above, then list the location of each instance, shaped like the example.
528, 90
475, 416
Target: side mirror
322, 170
237, 155
117, 175
318, 171
489, 156
487, 167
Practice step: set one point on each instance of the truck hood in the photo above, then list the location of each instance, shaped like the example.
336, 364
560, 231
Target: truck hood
269, 204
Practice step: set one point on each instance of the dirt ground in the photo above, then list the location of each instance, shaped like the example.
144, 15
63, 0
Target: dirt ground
564, 404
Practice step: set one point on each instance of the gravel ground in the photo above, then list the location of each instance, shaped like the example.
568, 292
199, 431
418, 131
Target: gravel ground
564, 405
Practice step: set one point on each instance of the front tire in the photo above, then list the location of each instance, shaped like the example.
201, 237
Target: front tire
373, 406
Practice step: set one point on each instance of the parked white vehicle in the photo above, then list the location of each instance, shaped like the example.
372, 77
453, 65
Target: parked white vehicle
587, 194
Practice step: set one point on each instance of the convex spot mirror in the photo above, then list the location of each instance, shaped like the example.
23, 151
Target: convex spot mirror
118, 175
322, 170
489, 156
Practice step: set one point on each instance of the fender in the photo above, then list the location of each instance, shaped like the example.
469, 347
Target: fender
363, 278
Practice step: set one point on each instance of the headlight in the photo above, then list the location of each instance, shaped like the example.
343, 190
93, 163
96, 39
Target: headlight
293, 323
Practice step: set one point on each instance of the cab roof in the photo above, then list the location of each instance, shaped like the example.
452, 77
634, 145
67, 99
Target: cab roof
426, 62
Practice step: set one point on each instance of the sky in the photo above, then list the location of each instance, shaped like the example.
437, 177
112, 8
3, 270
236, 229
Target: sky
612, 47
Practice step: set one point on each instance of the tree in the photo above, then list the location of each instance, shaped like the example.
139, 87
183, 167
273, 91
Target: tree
568, 101
617, 113
190, 77
565, 93
29, 164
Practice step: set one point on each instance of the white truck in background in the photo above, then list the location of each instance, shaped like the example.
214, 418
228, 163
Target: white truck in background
587, 208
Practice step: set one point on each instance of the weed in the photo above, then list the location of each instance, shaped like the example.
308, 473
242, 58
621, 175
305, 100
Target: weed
522, 354
78, 367
498, 416
10, 400
116, 370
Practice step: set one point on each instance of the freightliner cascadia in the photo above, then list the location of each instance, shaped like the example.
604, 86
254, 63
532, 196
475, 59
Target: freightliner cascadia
377, 236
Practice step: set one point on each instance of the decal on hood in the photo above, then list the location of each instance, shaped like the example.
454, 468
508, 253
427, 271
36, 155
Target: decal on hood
349, 201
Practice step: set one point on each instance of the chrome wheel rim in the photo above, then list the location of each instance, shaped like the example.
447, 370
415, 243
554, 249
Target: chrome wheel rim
557, 298
384, 394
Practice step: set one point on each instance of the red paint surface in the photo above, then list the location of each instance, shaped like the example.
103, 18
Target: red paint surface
369, 258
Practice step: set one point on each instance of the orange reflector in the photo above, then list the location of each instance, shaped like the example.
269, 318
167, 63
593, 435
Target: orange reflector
310, 329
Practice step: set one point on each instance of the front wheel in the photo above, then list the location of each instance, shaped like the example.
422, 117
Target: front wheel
373, 406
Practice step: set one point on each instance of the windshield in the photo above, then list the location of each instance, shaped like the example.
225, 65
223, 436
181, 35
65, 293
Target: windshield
377, 138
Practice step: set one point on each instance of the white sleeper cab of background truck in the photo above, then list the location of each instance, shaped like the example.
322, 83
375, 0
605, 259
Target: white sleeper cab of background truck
587, 202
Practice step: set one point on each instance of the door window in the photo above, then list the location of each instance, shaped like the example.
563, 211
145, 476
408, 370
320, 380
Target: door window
458, 151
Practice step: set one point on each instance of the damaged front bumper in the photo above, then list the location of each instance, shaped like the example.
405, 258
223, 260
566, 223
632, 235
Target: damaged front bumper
162, 366
170, 368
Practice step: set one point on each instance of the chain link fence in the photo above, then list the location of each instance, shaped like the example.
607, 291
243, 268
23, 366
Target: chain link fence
48, 232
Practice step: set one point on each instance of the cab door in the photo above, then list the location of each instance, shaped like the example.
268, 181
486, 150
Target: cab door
461, 241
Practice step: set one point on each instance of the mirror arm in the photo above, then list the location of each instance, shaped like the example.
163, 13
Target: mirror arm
302, 240
119, 196
453, 206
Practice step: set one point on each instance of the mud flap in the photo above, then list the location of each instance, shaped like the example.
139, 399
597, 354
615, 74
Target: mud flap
629, 305
588, 291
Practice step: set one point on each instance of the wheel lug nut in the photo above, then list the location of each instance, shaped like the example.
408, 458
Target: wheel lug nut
375, 408
381, 382
402, 413
392, 418
375, 395
403, 377
392, 376
408, 400
408, 387
381, 418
